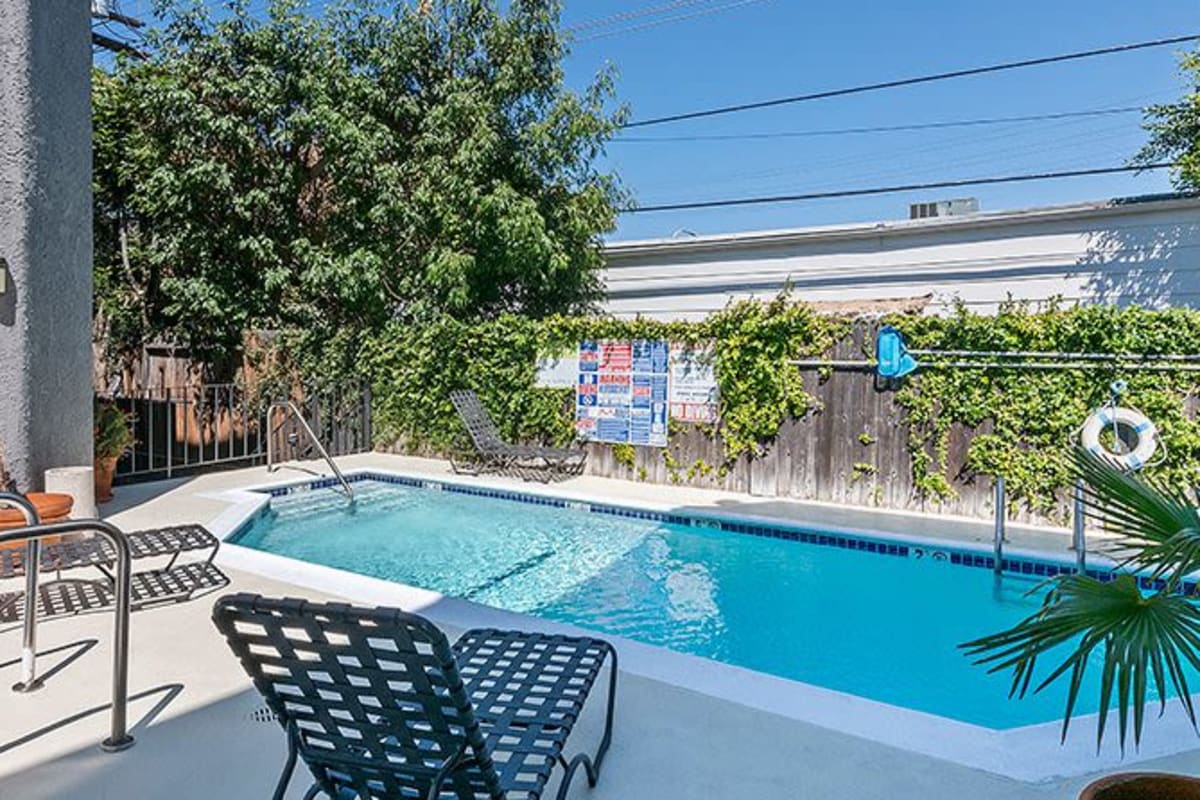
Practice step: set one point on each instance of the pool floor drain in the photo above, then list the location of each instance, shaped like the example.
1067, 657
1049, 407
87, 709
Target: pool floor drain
263, 714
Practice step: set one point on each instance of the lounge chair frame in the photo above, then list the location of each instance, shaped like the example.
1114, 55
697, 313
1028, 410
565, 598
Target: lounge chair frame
380, 706
173, 582
94, 551
492, 452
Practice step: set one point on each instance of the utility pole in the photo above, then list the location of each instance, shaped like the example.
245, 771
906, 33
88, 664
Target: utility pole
106, 14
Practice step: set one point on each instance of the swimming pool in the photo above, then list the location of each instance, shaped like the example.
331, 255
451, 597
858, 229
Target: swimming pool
871, 617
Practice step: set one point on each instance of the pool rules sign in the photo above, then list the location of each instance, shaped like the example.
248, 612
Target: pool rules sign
627, 388
621, 396
692, 389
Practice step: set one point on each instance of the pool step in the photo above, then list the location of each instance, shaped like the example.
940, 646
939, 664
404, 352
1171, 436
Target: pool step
375, 498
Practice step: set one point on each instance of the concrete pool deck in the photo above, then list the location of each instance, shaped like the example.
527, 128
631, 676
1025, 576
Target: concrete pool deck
139, 505
193, 707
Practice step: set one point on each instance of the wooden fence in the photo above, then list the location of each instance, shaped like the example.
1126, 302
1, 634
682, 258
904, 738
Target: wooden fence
854, 450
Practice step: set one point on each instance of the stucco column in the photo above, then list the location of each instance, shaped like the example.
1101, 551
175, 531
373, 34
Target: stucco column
45, 237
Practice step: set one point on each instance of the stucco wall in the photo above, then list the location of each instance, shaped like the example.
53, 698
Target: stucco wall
1137, 252
45, 236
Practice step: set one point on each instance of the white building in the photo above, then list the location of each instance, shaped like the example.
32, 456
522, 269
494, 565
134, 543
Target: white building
1139, 250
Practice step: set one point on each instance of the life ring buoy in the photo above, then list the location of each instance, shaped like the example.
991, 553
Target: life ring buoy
1128, 418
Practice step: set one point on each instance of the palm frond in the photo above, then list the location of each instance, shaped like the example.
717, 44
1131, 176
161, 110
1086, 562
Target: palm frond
1155, 527
1145, 641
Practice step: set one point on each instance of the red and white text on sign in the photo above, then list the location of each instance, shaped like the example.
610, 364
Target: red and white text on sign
616, 356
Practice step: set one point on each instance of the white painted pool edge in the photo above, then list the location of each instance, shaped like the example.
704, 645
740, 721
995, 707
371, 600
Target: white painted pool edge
1029, 754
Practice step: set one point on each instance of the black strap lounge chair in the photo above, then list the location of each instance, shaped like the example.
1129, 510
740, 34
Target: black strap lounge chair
492, 452
95, 551
380, 706
68, 596
170, 582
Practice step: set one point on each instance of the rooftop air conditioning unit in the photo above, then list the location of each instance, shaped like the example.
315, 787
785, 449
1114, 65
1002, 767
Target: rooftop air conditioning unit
944, 208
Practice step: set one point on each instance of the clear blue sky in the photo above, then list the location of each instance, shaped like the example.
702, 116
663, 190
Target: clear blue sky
770, 48
719, 52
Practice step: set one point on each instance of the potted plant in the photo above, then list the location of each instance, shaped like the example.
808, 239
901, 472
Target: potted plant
1148, 639
1142, 785
113, 439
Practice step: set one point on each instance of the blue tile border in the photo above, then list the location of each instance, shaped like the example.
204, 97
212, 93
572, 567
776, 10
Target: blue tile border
960, 558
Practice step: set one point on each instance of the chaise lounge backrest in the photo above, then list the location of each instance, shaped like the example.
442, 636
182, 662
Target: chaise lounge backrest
373, 697
477, 421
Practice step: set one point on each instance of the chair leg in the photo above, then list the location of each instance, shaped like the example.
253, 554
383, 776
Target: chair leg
469, 465
448, 767
592, 774
610, 711
591, 765
289, 766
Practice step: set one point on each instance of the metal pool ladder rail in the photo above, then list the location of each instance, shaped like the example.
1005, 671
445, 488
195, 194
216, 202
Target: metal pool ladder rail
1000, 529
291, 408
119, 738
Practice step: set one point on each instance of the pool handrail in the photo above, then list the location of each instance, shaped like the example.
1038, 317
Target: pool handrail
289, 407
1000, 525
33, 553
119, 738
1079, 527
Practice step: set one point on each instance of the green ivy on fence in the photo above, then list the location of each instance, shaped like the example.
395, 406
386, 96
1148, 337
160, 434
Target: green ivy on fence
1024, 421
415, 369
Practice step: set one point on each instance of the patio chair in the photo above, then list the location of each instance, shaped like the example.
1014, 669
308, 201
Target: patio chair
493, 452
172, 582
69, 596
95, 551
380, 706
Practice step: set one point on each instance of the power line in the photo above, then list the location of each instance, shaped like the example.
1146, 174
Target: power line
625, 16
922, 126
929, 155
106, 36
112, 45
912, 187
668, 20
893, 84
926, 159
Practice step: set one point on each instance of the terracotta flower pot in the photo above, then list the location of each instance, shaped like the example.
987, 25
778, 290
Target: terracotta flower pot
106, 467
50, 508
1143, 786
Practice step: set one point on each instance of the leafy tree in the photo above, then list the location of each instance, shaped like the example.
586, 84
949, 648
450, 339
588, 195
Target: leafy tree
326, 174
1175, 131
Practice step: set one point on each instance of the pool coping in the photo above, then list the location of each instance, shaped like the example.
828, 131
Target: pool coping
1029, 754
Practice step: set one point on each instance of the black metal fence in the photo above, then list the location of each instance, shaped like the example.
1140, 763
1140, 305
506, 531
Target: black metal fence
190, 429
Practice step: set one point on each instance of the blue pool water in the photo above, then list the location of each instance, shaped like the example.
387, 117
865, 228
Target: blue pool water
880, 626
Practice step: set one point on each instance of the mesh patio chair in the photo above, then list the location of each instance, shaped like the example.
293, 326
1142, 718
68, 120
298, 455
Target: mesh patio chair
493, 452
380, 706
174, 581
70, 596
96, 551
